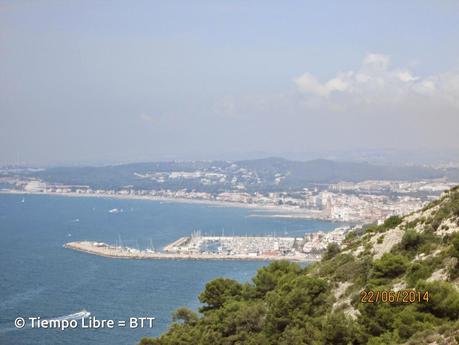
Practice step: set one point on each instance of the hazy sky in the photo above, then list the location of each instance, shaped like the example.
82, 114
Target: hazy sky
108, 81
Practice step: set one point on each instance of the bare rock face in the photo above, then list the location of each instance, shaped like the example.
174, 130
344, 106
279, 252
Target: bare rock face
439, 274
391, 238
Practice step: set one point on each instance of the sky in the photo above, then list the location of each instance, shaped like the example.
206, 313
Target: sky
95, 82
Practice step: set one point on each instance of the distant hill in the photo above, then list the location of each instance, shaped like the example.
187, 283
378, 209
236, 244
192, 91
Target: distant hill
260, 174
396, 283
321, 170
117, 176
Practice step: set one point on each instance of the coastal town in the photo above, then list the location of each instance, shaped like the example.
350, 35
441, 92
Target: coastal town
352, 202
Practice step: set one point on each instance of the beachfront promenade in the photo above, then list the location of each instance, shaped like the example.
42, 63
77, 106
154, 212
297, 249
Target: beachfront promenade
107, 250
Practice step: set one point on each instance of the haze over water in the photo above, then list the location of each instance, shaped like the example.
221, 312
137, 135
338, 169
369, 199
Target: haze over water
38, 277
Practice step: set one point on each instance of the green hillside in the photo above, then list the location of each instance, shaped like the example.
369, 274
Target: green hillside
322, 303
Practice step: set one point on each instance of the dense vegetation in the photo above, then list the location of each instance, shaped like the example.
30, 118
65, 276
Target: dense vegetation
286, 304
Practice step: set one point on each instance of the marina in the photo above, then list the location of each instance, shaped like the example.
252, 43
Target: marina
107, 250
198, 247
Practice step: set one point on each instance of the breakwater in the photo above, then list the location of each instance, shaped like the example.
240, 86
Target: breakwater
107, 250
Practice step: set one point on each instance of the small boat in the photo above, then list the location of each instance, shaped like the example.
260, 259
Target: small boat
82, 314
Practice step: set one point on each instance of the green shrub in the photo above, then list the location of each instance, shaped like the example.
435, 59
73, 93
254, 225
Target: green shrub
418, 271
332, 250
384, 339
343, 267
295, 300
338, 329
389, 266
414, 242
268, 277
409, 322
372, 228
455, 245
185, 315
411, 240
443, 299
392, 222
219, 291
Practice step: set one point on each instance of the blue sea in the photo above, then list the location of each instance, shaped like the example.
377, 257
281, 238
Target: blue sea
38, 277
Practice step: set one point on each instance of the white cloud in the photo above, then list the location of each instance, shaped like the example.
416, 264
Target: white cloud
376, 61
148, 118
406, 76
376, 83
309, 83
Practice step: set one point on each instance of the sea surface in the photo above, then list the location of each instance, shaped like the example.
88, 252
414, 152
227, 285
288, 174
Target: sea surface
40, 278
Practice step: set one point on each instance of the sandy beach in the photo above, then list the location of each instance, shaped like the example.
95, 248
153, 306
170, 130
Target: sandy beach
280, 211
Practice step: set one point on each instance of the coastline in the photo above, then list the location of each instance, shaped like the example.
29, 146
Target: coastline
282, 212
